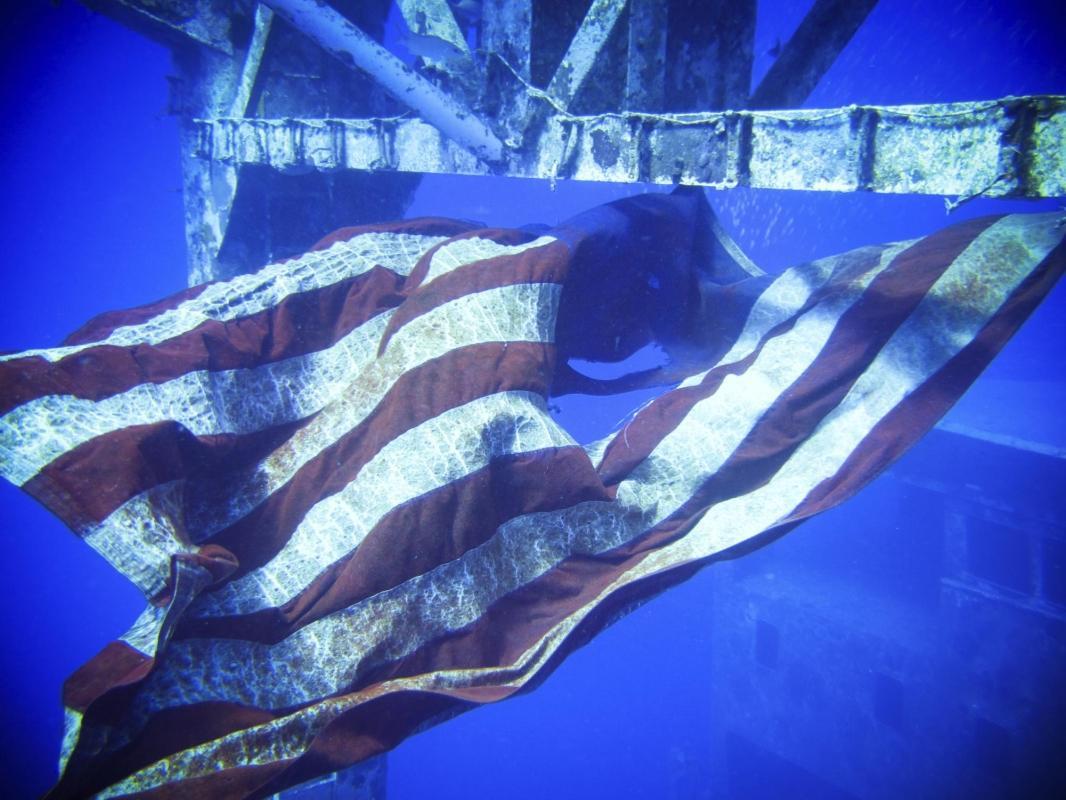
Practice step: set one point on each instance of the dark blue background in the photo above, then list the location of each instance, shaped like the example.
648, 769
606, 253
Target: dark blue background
92, 220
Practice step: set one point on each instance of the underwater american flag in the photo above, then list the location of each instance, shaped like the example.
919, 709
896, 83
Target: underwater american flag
341, 489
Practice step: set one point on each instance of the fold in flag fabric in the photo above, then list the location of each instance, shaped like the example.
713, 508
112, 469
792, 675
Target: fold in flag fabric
340, 487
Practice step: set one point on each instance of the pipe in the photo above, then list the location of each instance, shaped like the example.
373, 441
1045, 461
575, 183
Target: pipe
344, 40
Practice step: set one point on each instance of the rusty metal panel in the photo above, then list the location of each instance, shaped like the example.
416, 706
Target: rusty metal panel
600, 148
701, 152
1047, 155
957, 147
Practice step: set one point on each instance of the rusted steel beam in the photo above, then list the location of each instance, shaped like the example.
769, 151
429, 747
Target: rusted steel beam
811, 51
1009, 147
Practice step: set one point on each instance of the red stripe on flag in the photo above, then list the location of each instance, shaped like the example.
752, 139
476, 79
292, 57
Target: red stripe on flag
866, 325
920, 411
300, 324
103, 325
82, 487
547, 264
429, 531
418, 226
420, 394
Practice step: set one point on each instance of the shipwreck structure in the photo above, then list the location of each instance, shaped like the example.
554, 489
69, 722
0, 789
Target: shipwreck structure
300, 116
296, 118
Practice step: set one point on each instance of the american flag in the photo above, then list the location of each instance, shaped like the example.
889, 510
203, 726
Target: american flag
341, 488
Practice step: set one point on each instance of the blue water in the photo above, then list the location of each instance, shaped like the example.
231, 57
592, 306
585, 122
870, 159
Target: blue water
837, 668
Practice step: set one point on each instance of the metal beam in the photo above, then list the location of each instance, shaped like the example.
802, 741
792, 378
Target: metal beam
811, 51
646, 62
506, 36
201, 22
253, 59
1009, 147
296, 145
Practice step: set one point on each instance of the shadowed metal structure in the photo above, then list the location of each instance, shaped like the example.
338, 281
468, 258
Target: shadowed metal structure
297, 119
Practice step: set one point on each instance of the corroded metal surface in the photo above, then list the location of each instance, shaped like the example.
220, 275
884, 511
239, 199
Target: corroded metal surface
959, 149
253, 59
295, 145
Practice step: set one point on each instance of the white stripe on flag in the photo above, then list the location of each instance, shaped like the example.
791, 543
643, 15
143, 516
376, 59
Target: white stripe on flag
439, 451
783, 299
235, 401
252, 293
459, 253
958, 306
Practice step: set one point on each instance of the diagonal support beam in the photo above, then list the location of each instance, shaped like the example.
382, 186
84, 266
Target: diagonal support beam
1002, 148
344, 40
434, 18
583, 50
202, 22
811, 51
253, 59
